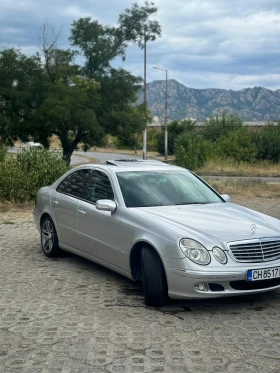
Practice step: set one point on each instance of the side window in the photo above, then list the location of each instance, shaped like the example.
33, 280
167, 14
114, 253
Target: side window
62, 188
99, 187
75, 183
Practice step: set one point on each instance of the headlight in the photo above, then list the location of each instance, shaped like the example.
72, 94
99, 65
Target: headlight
195, 251
219, 255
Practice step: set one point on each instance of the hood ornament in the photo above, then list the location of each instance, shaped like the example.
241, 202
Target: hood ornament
253, 228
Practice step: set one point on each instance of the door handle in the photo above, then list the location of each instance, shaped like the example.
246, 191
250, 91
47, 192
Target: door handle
82, 212
55, 201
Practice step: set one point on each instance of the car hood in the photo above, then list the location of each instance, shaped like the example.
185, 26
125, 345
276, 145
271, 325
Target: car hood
220, 221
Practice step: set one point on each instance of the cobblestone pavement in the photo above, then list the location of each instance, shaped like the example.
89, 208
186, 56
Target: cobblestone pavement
70, 315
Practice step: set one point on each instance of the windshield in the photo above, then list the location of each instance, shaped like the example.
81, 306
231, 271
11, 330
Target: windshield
164, 188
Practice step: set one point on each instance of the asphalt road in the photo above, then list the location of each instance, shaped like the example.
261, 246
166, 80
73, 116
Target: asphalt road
102, 157
79, 157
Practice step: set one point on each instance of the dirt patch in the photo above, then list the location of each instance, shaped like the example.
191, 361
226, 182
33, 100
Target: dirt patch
15, 213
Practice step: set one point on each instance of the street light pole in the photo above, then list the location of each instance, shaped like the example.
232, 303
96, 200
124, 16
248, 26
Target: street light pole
165, 117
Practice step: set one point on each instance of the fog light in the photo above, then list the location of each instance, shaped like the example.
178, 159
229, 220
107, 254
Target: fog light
201, 287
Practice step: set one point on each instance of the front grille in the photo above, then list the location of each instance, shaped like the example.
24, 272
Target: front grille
256, 251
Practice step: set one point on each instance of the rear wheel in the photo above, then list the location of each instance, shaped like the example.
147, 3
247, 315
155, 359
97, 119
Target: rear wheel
154, 279
49, 240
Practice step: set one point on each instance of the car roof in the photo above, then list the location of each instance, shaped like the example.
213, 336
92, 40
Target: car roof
121, 165
134, 162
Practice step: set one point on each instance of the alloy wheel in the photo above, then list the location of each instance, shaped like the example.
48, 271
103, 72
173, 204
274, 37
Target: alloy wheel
47, 236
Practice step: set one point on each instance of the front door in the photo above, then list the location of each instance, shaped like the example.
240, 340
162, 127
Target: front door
98, 230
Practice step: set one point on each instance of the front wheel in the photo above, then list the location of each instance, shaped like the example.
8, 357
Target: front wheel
49, 240
154, 279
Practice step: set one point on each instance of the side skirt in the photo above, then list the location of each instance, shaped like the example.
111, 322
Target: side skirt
95, 260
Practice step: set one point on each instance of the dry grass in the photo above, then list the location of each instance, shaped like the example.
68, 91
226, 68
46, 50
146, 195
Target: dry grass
231, 168
249, 188
6, 206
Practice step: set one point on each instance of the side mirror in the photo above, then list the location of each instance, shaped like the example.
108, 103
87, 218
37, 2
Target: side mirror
226, 197
106, 205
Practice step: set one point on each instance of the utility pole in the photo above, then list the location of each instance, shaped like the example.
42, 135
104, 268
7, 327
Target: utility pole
145, 95
165, 117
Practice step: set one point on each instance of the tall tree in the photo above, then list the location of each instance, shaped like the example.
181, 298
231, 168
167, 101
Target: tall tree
100, 45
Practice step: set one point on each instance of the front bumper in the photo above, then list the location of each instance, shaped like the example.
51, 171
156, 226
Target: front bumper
183, 283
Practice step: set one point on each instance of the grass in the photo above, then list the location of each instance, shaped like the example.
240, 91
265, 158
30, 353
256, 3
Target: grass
229, 167
249, 188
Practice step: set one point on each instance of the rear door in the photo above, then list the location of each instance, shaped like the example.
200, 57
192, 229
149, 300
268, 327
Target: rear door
65, 201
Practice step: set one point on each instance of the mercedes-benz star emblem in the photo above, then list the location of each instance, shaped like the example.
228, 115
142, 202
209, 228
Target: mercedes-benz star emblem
253, 228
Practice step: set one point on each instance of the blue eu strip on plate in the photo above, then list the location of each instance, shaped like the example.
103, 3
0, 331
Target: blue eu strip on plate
250, 275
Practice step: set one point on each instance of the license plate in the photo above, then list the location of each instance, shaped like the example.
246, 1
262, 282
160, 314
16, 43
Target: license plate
263, 274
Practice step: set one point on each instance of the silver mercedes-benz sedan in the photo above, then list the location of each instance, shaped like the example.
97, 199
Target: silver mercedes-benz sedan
162, 225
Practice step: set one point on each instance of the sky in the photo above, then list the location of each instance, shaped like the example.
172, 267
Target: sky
228, 44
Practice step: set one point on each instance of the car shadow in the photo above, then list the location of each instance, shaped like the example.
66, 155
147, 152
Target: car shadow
130, 294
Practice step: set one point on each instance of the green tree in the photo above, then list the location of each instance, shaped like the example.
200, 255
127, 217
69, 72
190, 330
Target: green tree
118, 114
76, 113
77, 103
101, 44
69, 112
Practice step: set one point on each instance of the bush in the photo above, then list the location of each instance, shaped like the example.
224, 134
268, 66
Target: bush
22, 176
152, 140
175, 129
3, 152
192, 150
130, 141
237, 145
221, 126
267, 142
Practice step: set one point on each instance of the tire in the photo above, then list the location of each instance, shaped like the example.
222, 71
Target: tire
154, 279
49, 240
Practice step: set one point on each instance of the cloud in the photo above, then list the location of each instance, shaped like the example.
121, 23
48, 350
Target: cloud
204, 43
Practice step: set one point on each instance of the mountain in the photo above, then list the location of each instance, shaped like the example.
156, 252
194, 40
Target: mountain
252, 104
